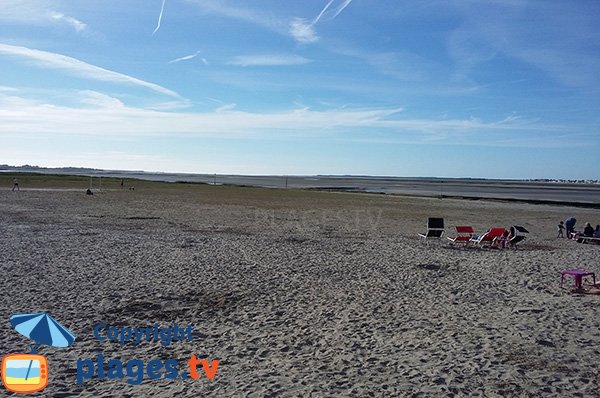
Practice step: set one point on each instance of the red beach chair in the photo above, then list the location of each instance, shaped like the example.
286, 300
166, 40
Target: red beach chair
464, 234
489, 237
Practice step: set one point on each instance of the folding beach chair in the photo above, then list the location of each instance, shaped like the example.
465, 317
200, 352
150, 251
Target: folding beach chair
588, 239
435, 229
464, 234
517, 236
489, 237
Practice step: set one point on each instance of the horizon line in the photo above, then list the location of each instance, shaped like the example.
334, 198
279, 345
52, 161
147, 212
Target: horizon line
7, 168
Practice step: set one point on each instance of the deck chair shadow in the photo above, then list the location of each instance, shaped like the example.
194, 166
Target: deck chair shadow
518, 236
488, 238
464, 234
435, 229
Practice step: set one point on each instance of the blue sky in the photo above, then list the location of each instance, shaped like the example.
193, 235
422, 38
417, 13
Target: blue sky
462, 88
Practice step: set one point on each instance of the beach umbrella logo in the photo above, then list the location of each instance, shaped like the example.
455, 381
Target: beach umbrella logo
27, 373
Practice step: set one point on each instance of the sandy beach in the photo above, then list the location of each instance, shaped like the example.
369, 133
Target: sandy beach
301, 293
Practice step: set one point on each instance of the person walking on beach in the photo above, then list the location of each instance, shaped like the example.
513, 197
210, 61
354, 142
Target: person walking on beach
561, 226
15, 184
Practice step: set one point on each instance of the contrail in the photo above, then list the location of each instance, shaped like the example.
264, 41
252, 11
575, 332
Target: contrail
187, 57
337, 12
162, 8
322, 12
346, 3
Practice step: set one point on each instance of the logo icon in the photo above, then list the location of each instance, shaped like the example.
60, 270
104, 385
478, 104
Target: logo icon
27, 373
24, 373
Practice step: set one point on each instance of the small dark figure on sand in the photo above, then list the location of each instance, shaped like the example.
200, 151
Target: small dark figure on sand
561, 226
89, 192
15, 184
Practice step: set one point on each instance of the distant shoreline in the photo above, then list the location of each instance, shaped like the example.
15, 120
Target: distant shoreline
542, 193
168, 176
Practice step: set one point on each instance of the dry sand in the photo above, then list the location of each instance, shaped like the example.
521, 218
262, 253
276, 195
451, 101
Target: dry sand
302, 293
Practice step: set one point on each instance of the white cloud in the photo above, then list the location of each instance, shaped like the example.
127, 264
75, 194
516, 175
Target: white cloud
268, 60
103, 115
75, 23
302, 31
79, 68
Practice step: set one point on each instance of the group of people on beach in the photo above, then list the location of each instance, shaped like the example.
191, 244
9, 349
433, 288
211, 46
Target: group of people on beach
504, 240
568, 226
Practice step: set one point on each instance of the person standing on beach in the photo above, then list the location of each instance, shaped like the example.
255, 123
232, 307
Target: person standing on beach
560, 227
570, 224
15, 184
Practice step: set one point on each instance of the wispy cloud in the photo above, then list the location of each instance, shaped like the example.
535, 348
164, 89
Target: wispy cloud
75, 23
102, 115
6, 88
162, 9
300, 29
62, 62
38, 12
100, 100
303, 31
404, 66
225, 108
269, 60
220, 8
569, 55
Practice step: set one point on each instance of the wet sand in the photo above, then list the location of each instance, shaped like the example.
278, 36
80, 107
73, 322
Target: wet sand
302, 293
